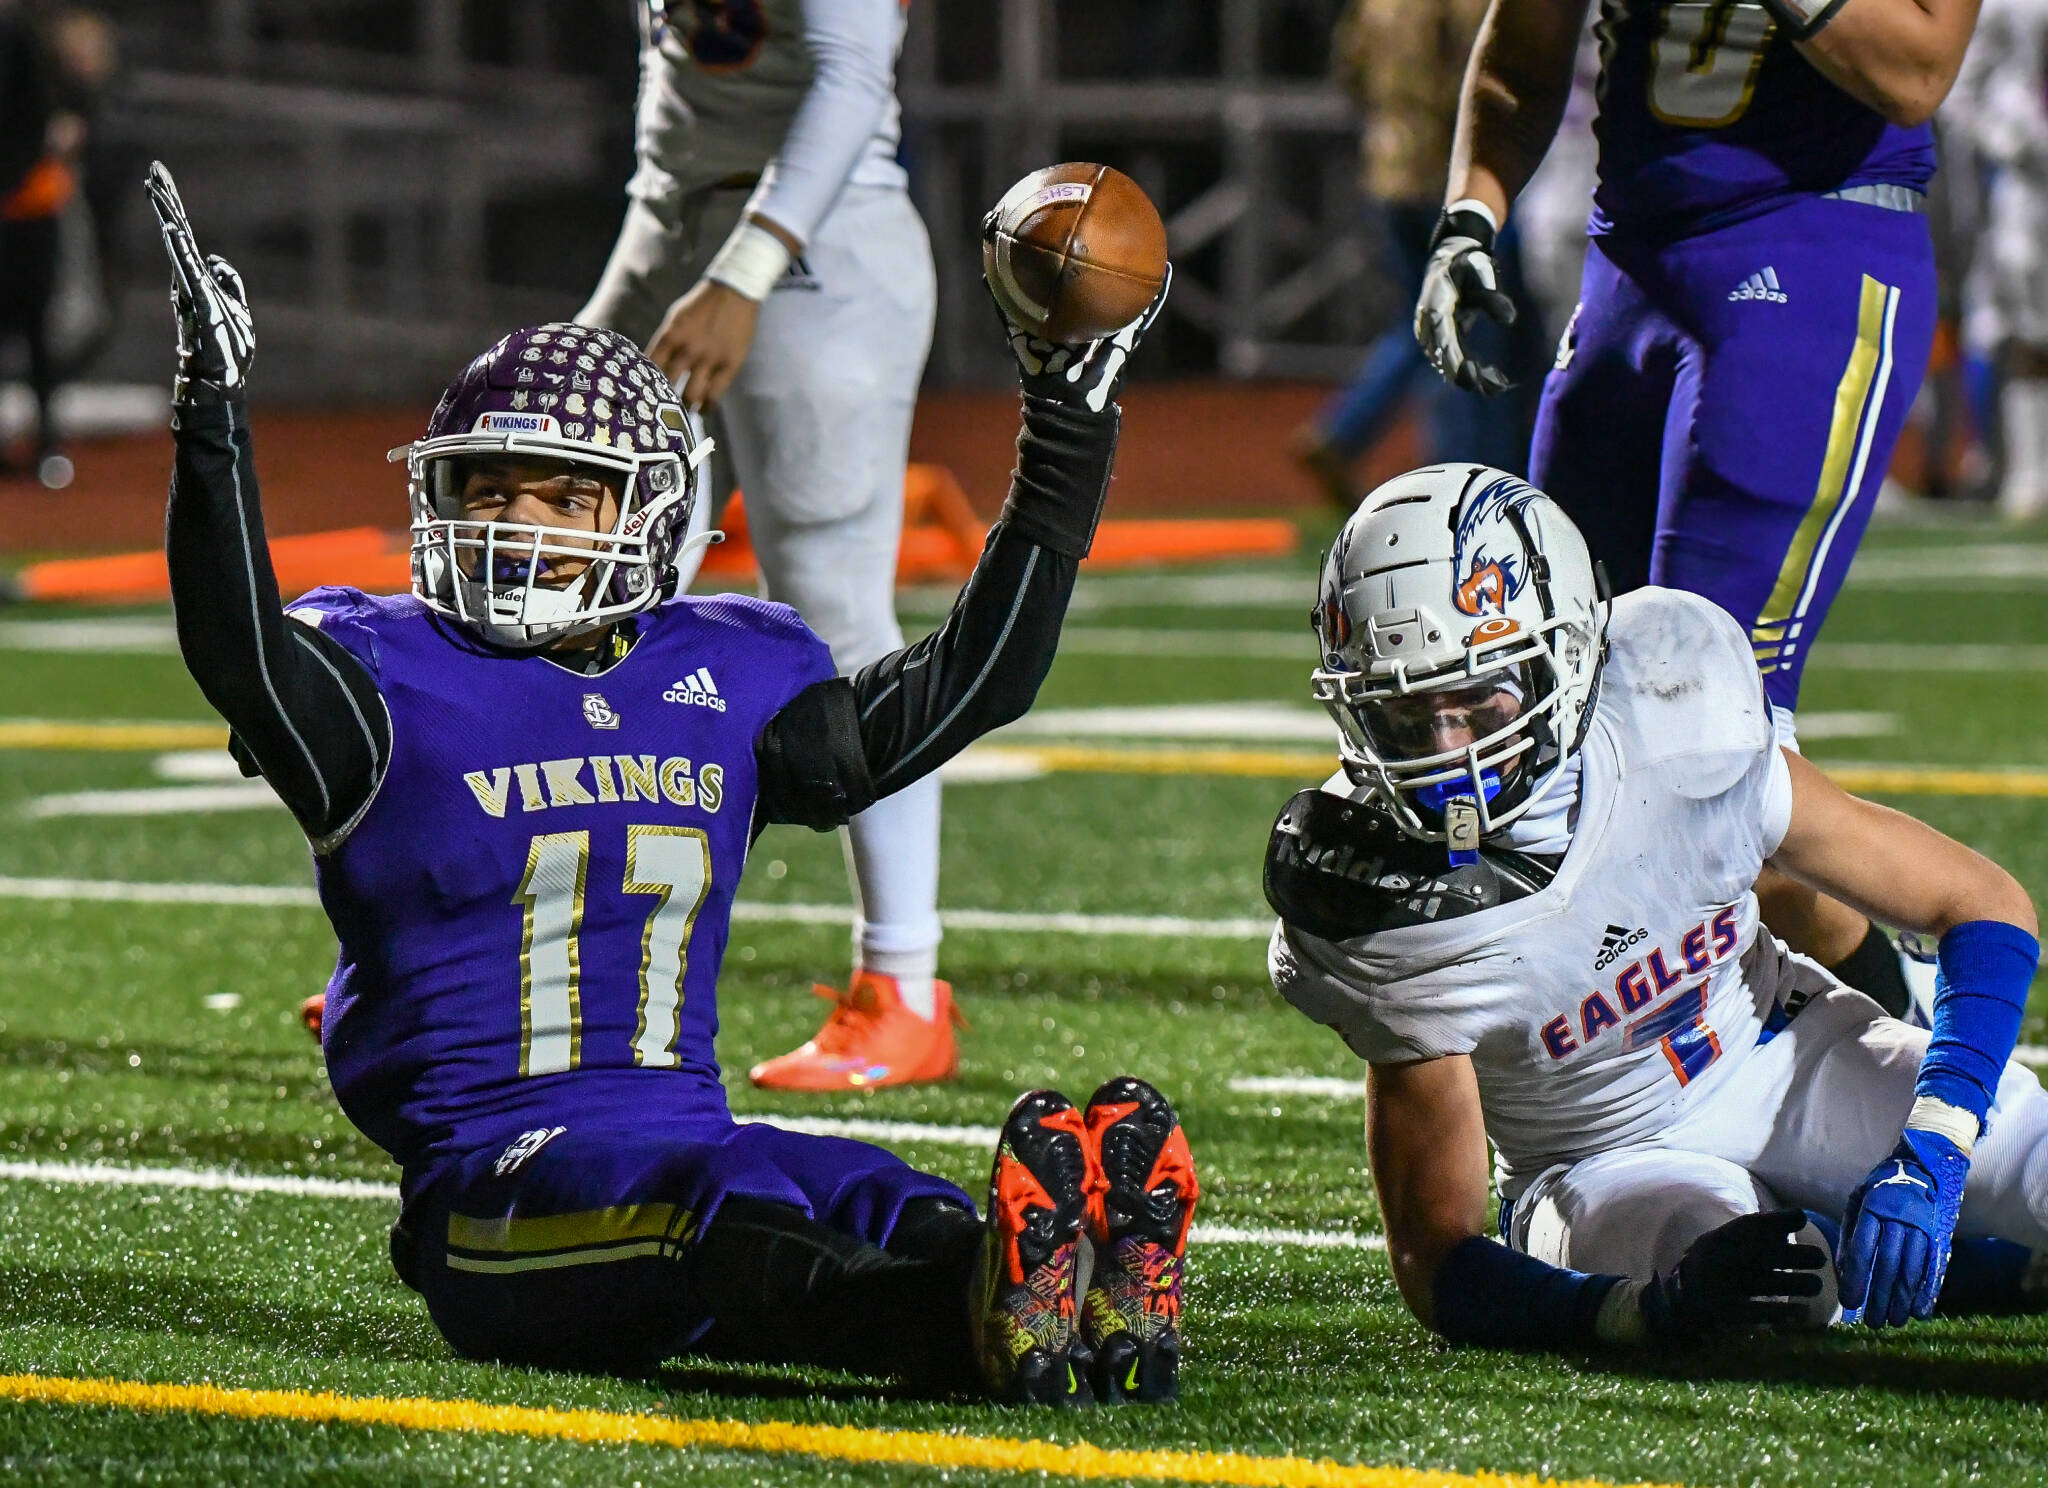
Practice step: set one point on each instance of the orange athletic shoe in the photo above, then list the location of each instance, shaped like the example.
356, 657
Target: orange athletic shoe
311, 1011
1138, 1219
870, 1040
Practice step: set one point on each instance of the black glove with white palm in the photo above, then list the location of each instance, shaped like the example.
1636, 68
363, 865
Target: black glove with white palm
1082, 376
216, 338
1460, 284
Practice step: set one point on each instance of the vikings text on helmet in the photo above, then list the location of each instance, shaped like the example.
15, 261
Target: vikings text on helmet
588, 398
1462, 630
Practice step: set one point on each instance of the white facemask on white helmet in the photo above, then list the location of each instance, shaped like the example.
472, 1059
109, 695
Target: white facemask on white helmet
1462, 629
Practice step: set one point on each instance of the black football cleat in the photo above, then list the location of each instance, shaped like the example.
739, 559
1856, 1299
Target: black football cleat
1027, 1332
1130, 1315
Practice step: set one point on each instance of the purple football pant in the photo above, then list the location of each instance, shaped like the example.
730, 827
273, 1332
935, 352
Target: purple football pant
1725, 407
581, 1252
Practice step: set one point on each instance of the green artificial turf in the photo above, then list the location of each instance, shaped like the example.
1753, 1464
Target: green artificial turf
116, 1046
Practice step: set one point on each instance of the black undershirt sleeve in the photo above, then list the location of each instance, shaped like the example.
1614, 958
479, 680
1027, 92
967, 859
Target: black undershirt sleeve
305, 713
839, 746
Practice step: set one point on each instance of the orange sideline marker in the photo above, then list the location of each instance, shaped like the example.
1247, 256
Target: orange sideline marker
942, 537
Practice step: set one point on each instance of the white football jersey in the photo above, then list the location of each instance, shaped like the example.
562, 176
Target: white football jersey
721, 82
1600, 1009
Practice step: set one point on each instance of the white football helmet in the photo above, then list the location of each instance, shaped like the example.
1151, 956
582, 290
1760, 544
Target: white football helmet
1463, 628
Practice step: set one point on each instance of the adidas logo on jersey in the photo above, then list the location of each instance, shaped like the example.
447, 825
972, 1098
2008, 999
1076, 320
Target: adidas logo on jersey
799, 275
698, 690
1613, 943
1762, 285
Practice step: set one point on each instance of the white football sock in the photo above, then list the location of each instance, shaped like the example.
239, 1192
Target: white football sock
2023, 408
892, 852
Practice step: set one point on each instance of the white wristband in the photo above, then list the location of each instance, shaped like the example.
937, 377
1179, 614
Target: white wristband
1944, 1120
1474, 205
750, 261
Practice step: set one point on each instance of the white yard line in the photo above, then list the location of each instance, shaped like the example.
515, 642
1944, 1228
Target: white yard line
218, 1180
159, 800
1260, 722
154, 637
1334, 1087
215, 1180
862, 1129
1948, 567
116, 891
1153, 927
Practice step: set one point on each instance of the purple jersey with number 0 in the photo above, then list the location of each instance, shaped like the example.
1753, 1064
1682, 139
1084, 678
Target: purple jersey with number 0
1708, 114
533, 908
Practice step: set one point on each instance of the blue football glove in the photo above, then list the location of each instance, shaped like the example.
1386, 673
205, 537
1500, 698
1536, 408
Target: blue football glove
1898, 1229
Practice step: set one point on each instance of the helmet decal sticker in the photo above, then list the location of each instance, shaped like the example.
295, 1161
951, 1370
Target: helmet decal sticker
1490, 564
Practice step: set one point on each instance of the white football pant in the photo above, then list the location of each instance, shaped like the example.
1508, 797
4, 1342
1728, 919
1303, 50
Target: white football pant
1802, 1124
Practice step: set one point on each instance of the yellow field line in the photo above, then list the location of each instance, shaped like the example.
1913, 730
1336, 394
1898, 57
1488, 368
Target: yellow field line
36, 733
1897, 780
1931, 780
840, 1443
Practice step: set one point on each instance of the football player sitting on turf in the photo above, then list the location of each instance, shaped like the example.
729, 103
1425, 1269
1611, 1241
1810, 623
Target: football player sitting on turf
1526, 902
530, 787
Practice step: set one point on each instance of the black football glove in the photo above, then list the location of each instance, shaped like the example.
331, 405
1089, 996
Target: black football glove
1748, 1273
1084, 376
216, 339
1459, 284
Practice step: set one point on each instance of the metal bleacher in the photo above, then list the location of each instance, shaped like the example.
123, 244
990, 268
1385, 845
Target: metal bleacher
399, 180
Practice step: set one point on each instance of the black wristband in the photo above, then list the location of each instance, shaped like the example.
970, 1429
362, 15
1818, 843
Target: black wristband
1802, 20
1471, 225
1064, 456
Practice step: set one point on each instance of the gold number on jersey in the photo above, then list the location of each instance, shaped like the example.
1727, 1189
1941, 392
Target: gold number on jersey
1704, 61
550, 1003
672, 862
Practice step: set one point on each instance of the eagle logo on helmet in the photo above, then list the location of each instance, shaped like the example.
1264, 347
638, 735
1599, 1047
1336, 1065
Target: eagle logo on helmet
1487, 549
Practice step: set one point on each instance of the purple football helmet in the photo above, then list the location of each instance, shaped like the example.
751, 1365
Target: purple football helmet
588, 398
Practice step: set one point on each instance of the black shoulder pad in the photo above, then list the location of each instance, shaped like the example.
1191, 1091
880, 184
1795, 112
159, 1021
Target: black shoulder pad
1338, 870
813, 767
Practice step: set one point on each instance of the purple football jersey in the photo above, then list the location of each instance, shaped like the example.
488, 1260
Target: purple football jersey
533, 908
1708, 115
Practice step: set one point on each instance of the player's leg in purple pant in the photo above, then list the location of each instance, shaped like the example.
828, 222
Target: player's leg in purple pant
1601, 427
1809, 330
609, 1248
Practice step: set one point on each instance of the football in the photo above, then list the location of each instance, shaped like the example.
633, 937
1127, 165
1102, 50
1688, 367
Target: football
1074, 251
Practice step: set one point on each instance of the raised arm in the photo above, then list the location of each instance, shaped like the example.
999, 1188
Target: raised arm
1899, 57
304, 712
838, 746
1897, 1232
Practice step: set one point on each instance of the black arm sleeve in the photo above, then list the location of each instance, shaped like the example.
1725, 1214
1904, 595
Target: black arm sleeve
304, 711
839, 746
